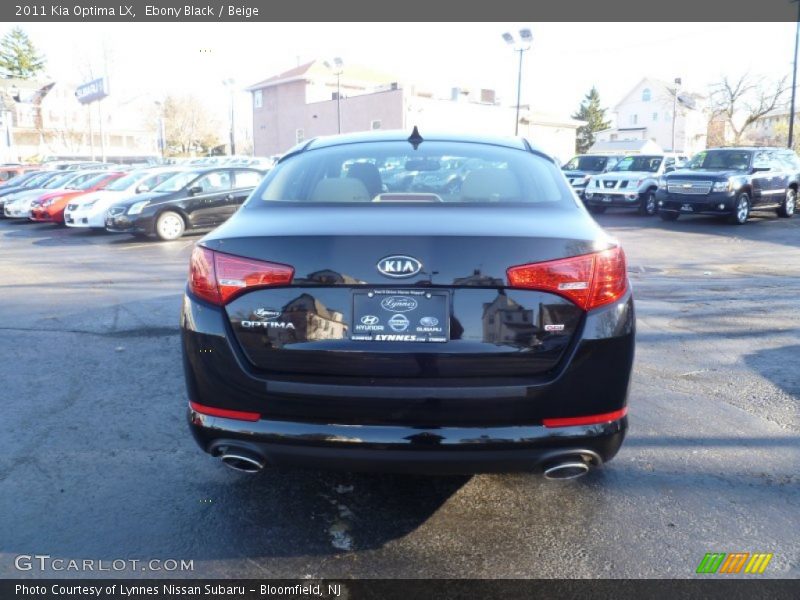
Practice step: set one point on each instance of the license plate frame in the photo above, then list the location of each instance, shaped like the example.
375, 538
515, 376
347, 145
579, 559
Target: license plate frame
401, 315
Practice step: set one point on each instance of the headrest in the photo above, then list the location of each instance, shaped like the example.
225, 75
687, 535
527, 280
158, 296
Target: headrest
488, 185
346, 189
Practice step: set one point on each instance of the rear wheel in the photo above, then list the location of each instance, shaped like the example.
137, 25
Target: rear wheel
598, 210
669, 215
741, 210
786, 209
170, 226
647, 207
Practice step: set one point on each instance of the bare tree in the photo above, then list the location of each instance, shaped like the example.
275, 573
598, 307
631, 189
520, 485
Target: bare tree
189, 125
743, 101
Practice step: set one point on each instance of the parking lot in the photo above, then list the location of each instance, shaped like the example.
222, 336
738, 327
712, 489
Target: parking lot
98, 462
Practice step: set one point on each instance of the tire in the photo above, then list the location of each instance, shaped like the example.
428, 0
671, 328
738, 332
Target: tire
648, 206
787, 208
170, 226
741, 210
669, 215
598, 210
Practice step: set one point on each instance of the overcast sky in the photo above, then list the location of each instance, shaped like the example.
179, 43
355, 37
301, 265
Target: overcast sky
565, 61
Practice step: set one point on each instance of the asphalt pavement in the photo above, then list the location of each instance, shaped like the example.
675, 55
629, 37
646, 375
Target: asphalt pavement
97, 462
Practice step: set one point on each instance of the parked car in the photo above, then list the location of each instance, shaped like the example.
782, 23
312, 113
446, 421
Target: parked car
195, 199
19, 204
20, 182
580, 169
326, 326
89, 210
631, 183
732, 182
50, 207
9, 172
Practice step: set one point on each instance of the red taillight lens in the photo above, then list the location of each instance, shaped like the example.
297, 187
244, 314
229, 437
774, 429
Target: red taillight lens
590, 280
224, 412
219, 278
587, 420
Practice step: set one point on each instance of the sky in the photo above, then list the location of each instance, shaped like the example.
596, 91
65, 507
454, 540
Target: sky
565, 61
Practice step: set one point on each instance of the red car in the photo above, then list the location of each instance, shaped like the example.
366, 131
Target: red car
8, 172
49, 208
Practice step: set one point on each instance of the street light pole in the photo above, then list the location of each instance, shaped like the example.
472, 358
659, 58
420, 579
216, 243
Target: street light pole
675, 110
794, 76
524, 44
229, 83
337, 67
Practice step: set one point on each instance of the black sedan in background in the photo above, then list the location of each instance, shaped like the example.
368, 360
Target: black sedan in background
196, 199
333, 323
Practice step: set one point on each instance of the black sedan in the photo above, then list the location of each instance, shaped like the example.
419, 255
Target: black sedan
335, 324
194, 199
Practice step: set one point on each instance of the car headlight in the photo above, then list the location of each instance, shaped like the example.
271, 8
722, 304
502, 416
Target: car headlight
723, 186
662, 183
47, 203
138, 207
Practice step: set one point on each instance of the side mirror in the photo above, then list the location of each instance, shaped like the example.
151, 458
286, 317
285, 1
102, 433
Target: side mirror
760, 169
195, 189
669, 169
142, 188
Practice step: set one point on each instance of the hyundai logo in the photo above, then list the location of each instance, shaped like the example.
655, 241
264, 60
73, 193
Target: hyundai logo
267, 313
399, 304
399, 322
369, 320
399, 265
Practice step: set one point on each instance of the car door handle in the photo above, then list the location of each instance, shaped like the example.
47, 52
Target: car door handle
229, 197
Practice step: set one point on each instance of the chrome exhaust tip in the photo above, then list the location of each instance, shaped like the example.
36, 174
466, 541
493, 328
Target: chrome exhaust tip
566, 470
242, 460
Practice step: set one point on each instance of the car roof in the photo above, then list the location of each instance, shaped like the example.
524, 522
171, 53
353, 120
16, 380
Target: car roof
400, 135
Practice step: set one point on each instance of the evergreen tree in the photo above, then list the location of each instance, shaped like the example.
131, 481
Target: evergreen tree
594, 116
18, 56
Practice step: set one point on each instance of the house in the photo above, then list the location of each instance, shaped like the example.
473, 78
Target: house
626, 147
772, 129
646, 113
43, 119
301, 103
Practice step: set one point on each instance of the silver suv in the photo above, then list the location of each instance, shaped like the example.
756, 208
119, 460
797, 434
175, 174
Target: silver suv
631, 183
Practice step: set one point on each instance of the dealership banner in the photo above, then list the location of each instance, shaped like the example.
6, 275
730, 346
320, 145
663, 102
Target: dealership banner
405, 589
372, 10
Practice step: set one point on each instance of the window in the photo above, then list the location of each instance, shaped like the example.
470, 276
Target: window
646, 95
258, 99
435, 172
246, 179
762, 160
375, 124
634, 119
215, 181
299, 136
655, 117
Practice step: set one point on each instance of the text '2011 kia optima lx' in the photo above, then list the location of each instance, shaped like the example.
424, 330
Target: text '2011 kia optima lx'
338, 320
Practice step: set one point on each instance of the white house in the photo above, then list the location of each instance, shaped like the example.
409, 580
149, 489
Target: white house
646, 113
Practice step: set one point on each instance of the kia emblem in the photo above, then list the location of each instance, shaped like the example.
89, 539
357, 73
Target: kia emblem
399, 265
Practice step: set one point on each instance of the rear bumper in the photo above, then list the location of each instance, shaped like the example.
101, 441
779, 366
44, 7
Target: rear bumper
463, 424
439, 450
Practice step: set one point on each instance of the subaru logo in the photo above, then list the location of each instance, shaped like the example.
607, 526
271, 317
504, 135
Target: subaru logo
267, 313
399, 304
399, 265
369, 320
429, 321
399, 322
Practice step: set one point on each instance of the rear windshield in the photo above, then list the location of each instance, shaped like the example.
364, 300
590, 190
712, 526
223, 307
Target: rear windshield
395, 172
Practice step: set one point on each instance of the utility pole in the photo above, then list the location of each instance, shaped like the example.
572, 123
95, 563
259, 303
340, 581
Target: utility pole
794, 75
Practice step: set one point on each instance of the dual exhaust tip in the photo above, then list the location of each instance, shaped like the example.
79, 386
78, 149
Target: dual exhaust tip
568, 466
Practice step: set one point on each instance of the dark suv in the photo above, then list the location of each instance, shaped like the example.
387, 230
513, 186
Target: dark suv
580, 168
732, 182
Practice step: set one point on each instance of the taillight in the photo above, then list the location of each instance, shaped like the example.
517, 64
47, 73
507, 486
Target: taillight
589, 280
218, 278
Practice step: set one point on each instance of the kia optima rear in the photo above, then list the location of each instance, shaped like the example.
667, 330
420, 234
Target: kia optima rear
344, 319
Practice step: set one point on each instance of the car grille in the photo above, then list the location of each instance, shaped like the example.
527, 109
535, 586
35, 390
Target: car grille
689, 187
609, 184
115, 211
